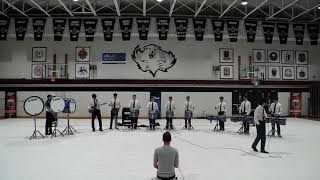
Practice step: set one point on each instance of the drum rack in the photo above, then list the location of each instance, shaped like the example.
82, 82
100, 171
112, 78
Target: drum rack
69, 129
34, 134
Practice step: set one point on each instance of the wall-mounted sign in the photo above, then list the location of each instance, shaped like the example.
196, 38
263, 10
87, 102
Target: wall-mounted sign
113, 58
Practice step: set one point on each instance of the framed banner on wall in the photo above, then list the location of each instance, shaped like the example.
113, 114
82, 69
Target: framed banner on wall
82, 54
39, 54
226, 55
82, 71
273, 56
302, 73
259, 55
226, 72
288, 72
301, 57
287, 57
274, 72
38, 71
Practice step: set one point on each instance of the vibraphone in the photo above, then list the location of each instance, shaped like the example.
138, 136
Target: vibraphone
247, 119
216, 118
276, 120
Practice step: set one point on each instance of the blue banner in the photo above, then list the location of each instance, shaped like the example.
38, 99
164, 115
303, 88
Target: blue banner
113, 58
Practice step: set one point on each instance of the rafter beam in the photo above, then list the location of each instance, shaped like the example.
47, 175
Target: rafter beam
290, 4
39, 7
144, 7
201, 6
116, 4
258, 7
228, 8
172, 7
316, 6
316, 19
65, 7
15, 8
3, 14
91, 8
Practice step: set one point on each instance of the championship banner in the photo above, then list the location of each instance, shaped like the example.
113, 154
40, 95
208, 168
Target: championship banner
199, 26
21, 28
74, 28
11, 104
268, 31
90, 28
4, 26
283, 29
233, 30
298, 30
163, 27
38, 28
108, 26
218, 27
181, 28
251, 28
143, 27
58, 28
126, 27
313, 30
295, 104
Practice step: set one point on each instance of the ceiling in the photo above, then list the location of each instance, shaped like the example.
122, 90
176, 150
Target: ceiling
277, 10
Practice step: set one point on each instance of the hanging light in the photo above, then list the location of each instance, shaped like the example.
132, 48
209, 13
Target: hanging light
244, 2
319, 7
159, 0
75, 0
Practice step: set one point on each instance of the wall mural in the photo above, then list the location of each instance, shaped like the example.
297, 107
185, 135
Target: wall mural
152, 58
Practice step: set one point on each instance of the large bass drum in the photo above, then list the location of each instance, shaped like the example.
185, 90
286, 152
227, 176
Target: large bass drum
33, 106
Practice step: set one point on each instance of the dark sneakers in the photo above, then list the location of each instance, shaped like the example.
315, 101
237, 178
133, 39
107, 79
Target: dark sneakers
255, 149
263, 151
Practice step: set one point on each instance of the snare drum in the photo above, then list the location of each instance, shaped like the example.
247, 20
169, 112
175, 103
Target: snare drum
33, 106
169, 114
152, 115
188, 114
134, 113
70, 105
57, 104
249, 119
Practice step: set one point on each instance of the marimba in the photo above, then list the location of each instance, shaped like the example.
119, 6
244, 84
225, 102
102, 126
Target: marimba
241, 118
216, 118
276, 120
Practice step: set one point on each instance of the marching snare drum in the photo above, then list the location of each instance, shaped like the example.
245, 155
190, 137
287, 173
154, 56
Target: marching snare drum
237, 118
70, 105
57, 104
152, 115
221, 118
188, 114
169, 114
33, 106
134, 113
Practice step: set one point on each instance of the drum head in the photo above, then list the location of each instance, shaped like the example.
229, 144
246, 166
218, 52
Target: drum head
57, 104
33, 106
70, 105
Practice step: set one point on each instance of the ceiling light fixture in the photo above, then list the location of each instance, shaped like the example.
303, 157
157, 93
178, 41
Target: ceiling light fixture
244, 2
75, 0
159, 0
319, 7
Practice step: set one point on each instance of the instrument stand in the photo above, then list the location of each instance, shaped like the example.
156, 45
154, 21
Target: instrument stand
34, 134
54, 132
241, 130
217, 127
189, 126
69, 129
169, 125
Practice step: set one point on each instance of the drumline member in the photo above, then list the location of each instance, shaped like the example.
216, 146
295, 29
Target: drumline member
222, 107
115, 106
170, 107
95, 106
152, 108
259, 119
49, 116
188, 106
275, 109
245, 109
165, 159
134, 106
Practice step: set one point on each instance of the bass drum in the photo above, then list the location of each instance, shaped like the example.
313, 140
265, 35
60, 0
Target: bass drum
57, 104
33, 106
70, 105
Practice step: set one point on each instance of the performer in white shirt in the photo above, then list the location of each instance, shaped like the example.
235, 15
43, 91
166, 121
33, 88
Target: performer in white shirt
188, 111
275, 109
152, 109
95, 111
170, 107
259, 119
245, 109
222, 109
115, 106
134, 109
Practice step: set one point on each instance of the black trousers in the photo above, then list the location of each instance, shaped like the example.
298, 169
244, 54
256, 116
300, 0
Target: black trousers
134, 122
114, 116
96, 113
186, 122
246, 125
166, 178
49, 120
169, 121
152, 123
273, 127
261, 135
221, 123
